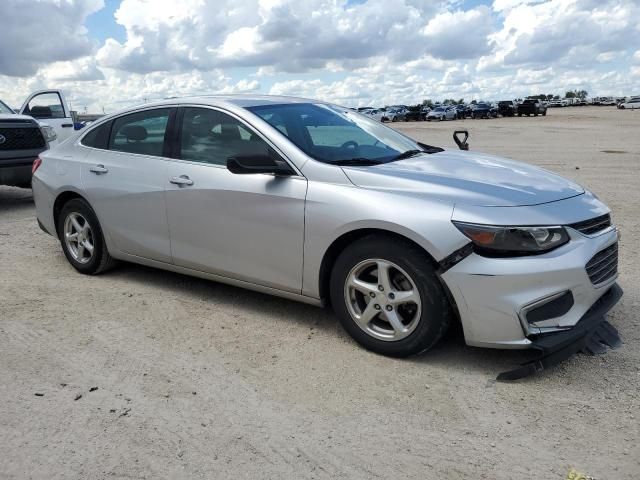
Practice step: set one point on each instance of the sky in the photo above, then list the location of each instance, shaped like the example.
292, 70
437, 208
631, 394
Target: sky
110, 54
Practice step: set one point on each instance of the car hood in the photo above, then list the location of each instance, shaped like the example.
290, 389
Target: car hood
467, 178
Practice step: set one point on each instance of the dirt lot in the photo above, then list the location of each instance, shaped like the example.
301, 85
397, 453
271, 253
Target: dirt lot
200, 380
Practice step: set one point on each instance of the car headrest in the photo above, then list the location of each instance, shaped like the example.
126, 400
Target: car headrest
136, 133
41, 112
200, 130
230, 131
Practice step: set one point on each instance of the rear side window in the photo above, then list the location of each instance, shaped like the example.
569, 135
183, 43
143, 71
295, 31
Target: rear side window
141, 132
98, 137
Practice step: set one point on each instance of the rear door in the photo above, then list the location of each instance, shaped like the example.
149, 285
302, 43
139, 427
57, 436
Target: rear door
247, 227
49, 107
124, 176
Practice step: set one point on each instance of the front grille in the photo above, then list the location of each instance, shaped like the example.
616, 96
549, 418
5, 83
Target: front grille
21, 138
604, 265
594, 225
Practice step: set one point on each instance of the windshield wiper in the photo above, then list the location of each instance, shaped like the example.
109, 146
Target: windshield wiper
407, 154
364, 162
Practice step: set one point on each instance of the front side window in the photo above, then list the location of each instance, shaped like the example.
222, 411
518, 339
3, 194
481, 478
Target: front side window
45, 105
210, 136
141, 132
335, 135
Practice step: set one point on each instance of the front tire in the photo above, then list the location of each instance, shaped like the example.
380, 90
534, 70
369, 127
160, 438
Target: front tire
81, 238
388, 297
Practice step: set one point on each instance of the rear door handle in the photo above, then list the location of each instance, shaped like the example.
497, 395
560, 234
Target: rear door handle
182, 181
98, 169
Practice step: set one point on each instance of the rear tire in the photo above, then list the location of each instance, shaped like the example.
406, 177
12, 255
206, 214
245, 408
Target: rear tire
81, 238
397, 327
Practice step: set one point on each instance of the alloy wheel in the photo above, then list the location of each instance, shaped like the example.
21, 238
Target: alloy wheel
78, 237
382, 299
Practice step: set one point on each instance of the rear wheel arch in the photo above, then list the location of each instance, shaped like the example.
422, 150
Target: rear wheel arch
60, 201
340, 243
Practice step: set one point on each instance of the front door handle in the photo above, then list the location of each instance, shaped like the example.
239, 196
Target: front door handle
98, 169
182, 181
67, 125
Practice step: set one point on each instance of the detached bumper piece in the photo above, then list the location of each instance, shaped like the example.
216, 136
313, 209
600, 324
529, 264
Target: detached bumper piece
591, 335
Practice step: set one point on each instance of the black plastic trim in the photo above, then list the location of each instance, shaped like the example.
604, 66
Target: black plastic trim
456, 257
592, 334
552, 309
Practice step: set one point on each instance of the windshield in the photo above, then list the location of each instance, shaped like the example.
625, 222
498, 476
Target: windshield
335, 135
5, 109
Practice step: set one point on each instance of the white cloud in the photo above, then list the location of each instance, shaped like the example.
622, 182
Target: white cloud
459, 34
375, 52
35, 34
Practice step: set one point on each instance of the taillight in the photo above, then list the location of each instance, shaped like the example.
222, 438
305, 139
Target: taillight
36, 163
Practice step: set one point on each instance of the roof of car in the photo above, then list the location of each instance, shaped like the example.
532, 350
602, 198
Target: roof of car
239, 100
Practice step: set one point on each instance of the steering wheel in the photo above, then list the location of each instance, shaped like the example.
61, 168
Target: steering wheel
350, 143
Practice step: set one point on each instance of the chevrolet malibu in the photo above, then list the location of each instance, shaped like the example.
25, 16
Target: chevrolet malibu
317, 203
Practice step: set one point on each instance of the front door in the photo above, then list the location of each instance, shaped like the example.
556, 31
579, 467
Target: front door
49, 108
247, 227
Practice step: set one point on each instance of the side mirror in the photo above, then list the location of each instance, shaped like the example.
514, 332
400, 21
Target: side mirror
462, 144
257, 163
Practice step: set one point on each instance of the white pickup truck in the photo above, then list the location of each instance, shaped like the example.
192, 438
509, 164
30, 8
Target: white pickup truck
42, 122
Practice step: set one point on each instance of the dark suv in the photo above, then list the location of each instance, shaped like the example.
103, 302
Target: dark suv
533, 107
21, 140
507, 108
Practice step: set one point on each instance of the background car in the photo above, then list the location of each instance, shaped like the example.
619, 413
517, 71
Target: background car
461, 111
442, 113
507, 108
631, 104
414, 113
532, 106
484, 110
397, 114
379, 114
22, 138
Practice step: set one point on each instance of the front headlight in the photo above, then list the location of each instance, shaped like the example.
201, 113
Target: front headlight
495, 241
49, 133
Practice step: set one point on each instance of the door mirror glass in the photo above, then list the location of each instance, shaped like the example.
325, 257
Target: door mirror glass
45, 105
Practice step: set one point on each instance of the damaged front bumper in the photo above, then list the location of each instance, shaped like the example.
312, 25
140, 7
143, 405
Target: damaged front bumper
592, 335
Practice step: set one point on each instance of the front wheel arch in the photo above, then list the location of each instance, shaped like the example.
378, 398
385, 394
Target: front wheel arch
340, 243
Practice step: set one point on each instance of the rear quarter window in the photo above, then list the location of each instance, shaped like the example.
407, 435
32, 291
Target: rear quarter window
97, 137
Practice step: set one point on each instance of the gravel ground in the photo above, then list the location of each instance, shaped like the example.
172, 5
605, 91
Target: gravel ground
140, 373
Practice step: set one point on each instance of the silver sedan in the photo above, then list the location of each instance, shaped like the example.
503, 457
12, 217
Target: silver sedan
317, 203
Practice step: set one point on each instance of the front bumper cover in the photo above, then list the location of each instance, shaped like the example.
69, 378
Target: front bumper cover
592, 335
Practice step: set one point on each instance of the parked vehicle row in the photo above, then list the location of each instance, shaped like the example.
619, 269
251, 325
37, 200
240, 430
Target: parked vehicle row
506, 108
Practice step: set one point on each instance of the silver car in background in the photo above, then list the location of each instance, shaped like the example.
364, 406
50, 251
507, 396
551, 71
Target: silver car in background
317, 203
442, 113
